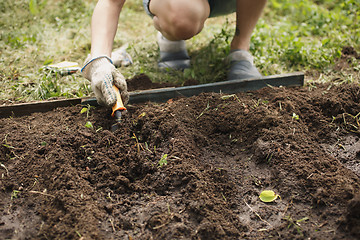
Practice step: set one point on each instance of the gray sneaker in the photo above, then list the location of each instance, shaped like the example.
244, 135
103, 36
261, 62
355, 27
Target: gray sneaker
173, 54
241, 66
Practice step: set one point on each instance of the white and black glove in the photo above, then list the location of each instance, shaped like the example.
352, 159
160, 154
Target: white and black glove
103, 75
120, 57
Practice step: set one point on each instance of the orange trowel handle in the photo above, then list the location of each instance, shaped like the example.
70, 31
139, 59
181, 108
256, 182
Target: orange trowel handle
119, 105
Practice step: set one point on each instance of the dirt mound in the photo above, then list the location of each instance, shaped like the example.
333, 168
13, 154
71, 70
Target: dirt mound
143, 82
191, 168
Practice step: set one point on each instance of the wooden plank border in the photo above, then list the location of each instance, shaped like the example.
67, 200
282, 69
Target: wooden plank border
228, 87
162, 94
22, 109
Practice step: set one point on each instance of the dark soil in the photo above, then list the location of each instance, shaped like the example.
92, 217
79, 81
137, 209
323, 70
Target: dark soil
143, 82
191, 168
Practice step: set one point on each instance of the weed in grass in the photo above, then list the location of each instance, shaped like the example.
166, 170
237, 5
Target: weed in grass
209, 59
35, 7
318, 33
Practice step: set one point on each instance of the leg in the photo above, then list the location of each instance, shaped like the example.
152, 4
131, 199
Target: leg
247, 15
241, 61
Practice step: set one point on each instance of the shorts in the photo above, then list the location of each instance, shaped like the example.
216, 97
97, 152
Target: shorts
217, 7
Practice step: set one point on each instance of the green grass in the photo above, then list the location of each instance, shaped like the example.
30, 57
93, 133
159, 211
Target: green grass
291, 36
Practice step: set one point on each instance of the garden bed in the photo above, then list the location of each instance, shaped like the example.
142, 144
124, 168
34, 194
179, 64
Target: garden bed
190, 168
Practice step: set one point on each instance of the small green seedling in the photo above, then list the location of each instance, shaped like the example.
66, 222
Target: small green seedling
206, 109
109, 196
3, 166
83, 110
86, 110
89, 125
268, 196
295, 116
77, 232
141, 115
296, 223
8, 146
163, 160
14, 194
226, 97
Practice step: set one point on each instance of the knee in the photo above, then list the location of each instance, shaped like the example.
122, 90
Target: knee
116, 3
181, 30
182, 22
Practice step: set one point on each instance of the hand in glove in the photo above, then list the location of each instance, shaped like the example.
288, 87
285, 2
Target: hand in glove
120, 57
103, 75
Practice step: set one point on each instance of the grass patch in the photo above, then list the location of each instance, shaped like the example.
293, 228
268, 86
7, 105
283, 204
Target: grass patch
291, 36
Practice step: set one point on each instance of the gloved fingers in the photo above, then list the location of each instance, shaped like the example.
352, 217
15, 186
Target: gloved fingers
101, 85
101, 102
103, 76
107, 90
120, 83
96, 87
119, 80
121, 58
125, 96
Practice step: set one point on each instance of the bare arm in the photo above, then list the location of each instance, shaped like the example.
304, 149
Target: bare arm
104, 25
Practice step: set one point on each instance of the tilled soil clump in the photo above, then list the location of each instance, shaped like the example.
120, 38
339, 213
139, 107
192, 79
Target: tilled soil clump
191, 168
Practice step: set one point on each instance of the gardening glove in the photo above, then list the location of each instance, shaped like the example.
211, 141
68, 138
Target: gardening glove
173, 54
103, 75
120, 57
241, 66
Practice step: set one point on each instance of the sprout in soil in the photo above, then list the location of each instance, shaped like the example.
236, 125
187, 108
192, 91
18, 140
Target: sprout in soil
89, 125
268, 196
163, 160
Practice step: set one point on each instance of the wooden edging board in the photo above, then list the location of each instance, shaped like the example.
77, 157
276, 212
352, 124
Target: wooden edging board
228, 87
162, 94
